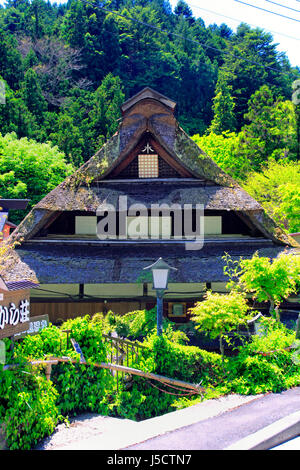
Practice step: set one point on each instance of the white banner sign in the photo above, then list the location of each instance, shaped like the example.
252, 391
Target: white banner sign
13, 315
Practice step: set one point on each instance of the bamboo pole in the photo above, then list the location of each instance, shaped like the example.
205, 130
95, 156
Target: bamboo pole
125, 369
149, 375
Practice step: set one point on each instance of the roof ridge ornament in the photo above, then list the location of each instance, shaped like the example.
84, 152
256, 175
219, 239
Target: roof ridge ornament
148, 93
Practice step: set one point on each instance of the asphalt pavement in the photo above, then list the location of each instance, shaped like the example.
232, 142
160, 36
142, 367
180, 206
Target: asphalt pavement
227, 430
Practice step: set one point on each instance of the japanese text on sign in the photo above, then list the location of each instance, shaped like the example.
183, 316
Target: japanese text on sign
12, 315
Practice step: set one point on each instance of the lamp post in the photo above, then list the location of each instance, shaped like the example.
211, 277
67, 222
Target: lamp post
160, 274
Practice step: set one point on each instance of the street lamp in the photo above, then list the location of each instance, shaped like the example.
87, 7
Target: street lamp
160, 274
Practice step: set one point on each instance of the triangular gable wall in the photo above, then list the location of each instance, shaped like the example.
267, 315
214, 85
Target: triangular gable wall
148, 114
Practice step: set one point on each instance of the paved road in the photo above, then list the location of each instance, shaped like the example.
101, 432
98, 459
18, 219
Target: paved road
292, 444
221, 431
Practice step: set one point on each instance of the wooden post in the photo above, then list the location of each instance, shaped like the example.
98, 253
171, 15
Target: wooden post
48, 370
298, 328
117, 351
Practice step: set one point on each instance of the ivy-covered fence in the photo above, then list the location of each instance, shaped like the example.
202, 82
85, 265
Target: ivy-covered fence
31, 406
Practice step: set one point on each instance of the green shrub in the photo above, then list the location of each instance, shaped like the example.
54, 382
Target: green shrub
187, 363
143, 401
258, 376
30, 405
50, 341
83, 387
149, 398
139, 324
264, 364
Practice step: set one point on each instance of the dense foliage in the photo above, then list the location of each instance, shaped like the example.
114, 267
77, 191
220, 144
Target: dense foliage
265, 364
58, 61
140, 324
67, 68
219, 314
263, 156
31, 406
29, 170
266, 280
276, 187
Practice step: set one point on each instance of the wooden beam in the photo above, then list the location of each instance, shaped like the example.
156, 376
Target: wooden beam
174, 163
149, 375
170, 159
129, 370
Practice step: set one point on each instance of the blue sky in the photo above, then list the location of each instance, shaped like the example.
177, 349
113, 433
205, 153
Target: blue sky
285, 31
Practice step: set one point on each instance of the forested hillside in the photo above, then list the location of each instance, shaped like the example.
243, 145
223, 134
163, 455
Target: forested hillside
67, 68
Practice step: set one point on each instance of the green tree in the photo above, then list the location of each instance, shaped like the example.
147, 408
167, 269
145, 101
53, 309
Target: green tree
74, 24
270, 280
37, 10
223, 149
106, 109
33, 96
96, 34
183, 9
276, 187
223, 108
11, 68
219, 314
15, 116
29, 169
251, 62
69, 139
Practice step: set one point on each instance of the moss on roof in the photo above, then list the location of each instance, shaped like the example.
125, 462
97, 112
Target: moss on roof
78, 193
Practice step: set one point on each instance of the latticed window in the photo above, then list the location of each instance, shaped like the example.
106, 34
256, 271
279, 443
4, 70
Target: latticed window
148, 166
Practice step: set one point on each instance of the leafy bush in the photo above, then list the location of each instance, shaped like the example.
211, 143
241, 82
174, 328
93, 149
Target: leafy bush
269, 280
81, 387
29, 169
265, 364
220, 314
276, 188
139, 324
147, 399
48, 342
187, 363
30, 406
30, 409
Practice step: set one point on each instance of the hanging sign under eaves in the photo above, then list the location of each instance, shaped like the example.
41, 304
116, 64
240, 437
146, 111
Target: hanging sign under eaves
14, 307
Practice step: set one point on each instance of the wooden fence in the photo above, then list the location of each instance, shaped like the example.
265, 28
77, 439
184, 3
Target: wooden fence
122, 352
48, 363
122, 355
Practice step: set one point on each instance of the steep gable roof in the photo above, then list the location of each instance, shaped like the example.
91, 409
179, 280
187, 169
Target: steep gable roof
149, 113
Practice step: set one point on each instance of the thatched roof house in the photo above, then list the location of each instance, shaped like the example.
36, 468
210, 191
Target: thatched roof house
150, 160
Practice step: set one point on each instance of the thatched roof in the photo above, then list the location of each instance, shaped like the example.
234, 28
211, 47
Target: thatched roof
55, 264
146, 114
80, 192
212, 197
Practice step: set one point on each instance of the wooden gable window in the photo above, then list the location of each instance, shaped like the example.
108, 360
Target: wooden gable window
148, 166
148, 160
177, 309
